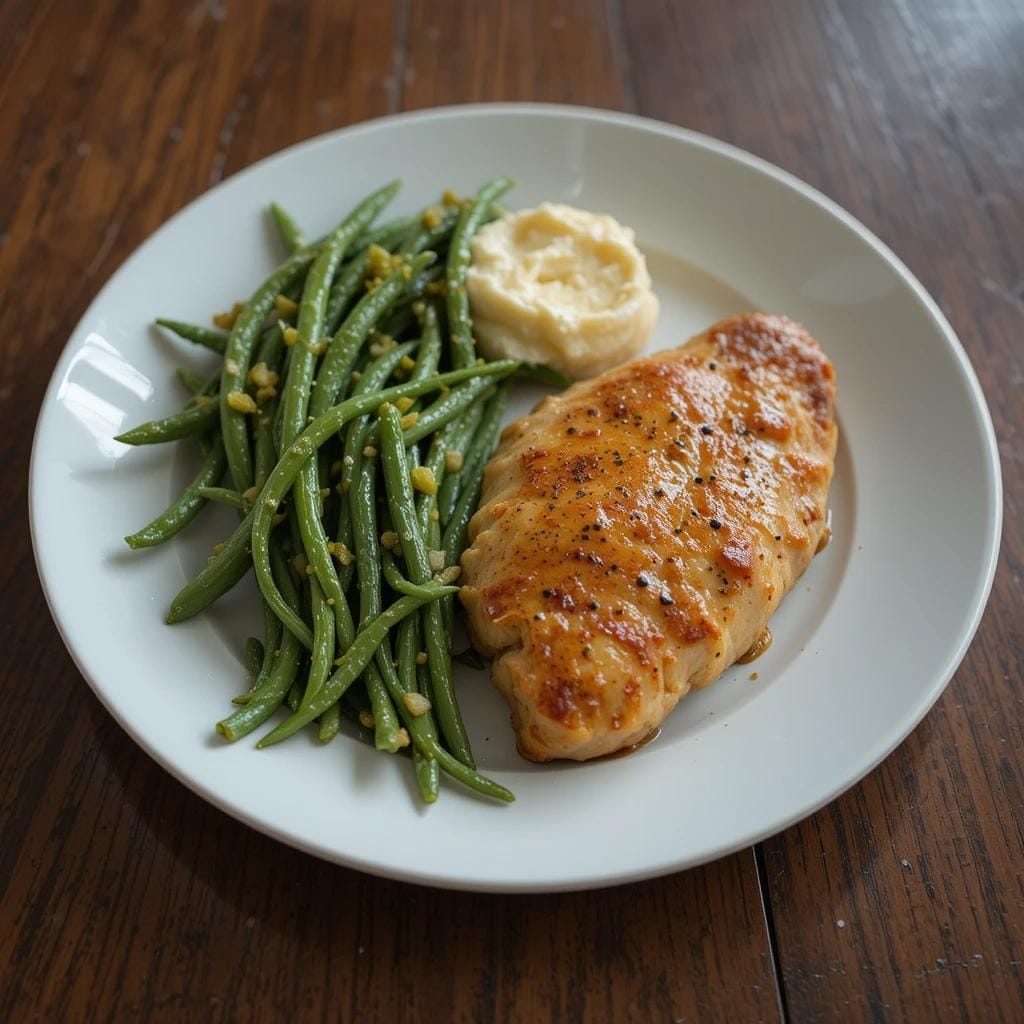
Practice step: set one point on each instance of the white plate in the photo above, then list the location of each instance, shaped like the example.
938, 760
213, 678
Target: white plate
864, 645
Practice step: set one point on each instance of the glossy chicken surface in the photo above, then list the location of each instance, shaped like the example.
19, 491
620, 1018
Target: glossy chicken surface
637, 531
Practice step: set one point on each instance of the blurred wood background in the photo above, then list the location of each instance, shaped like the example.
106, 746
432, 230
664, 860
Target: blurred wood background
126, 897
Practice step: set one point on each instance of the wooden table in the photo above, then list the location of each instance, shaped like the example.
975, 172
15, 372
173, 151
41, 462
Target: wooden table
126, 897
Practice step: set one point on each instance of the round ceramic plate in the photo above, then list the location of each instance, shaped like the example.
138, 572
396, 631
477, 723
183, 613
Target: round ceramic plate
864, 644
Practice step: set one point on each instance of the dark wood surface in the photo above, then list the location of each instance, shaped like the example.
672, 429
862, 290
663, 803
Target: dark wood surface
125, 897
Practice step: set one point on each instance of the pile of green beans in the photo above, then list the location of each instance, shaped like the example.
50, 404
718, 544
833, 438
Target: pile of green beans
347, 423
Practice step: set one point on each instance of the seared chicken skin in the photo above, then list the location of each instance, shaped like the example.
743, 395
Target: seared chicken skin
637, 531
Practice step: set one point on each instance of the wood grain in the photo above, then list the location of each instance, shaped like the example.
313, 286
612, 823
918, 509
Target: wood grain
126, 897
904, 900
463, 51
141, 901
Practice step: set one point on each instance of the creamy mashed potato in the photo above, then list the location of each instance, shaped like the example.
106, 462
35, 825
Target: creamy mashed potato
560, 286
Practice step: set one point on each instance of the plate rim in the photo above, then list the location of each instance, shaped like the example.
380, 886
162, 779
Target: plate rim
887, 743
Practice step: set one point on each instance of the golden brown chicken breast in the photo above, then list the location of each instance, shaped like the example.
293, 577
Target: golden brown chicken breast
637, 531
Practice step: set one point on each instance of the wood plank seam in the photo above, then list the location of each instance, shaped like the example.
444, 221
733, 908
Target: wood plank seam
769, 924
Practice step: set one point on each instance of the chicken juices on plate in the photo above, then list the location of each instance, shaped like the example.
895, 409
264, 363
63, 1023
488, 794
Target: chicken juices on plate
636, 532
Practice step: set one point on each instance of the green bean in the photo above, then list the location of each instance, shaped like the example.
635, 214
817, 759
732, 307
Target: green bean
396, 581
545, 375
351, 707
398, 323
362, 502
456, 438
419, 733
296, 394
351, 277
192, 382
392, 574
290, 232
337, 366
238, 356
425, 742
428, 775
243, 335
468, 776
232, 563
265, 444
287, 470
389, 234
401, 504
218, 576
253, 656
350, 665
272, 349
314, 537
216, 341
346, 286
417, 287
197, 418
326, 616
271, 644
386, 727
398, 488
440, 445
407, 645
454, 537
225, 496
430, 238
329, 724
467, 494
447, 407
426, 766
323, 470
283, 455
363, 511
459, 324
267, 697
278, 418
272, 631
433, 533
442, 410
343, 537
428, 355
323, 646
381, 682
182, 511
372, 379
304, 583
271, 353
439, 235
201, 389
296, 403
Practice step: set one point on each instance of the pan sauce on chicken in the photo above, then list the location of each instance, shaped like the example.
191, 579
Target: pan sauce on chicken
637, 531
